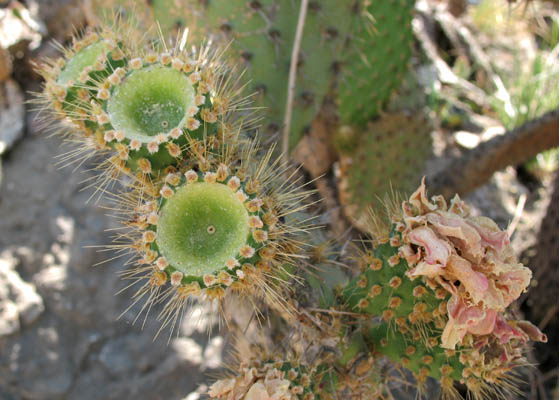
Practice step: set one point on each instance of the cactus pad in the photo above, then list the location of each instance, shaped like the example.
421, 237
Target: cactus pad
377, 59
441, 282
389, 156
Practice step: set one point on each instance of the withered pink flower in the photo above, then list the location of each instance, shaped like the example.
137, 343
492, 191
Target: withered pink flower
437, 251
464, 319
532, 331
460, 233
524, 331
489, 232
469, 257
475, 283
221, 387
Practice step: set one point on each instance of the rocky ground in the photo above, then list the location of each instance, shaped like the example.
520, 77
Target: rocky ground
60, 336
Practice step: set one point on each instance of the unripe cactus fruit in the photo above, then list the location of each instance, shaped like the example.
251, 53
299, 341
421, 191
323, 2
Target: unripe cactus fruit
150, 101
216, 227
148, 111
208, 229
69, 80
139, 112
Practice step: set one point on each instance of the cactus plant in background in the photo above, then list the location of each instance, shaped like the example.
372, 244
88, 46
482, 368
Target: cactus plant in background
390, 154
260, 35
213, 216
377, 59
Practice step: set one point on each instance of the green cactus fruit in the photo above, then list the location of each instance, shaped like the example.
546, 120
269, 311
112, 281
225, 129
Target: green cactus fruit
69, 80
207, 231
141, 112
214, 229
377, 59
389, 156
440, 282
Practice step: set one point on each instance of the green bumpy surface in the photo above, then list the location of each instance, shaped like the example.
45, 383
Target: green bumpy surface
377, 59
379, 303
394, 347
201, 227
390, 154
150, 101
386, 337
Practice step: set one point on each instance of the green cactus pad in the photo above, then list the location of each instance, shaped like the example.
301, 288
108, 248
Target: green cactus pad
384, 279
377, 59
409, 334
418, 356
150, 101
201, 227
389, 156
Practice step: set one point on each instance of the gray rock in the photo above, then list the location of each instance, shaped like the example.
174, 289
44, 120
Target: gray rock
19, 300
9, 318
12, 112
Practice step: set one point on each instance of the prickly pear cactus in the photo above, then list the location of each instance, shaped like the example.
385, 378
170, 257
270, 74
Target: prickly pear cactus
376, 60
389, 155
441, 281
